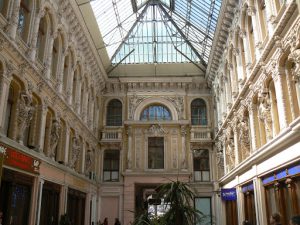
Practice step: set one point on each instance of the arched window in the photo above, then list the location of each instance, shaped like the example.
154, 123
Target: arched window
155, 112
41, 40
198, 111
24, 18
114, 113
55, 56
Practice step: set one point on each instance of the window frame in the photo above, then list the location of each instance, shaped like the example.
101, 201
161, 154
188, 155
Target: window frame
156, 109
201, 171
201, 112
163, 152
111, 169
115, 120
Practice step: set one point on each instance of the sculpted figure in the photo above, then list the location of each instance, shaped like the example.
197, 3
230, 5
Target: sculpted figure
25, 114
54, 136
88, 161
230, 152
244, 138
264, 112
75, 152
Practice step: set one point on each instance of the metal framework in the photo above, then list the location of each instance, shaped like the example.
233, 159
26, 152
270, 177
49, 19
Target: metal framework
157, 31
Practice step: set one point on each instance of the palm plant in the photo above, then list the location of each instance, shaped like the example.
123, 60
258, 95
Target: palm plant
178, 198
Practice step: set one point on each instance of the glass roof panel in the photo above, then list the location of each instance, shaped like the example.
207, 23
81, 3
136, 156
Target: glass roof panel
157, 31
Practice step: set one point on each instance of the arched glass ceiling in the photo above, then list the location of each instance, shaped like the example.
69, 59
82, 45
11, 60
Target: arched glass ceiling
157, 31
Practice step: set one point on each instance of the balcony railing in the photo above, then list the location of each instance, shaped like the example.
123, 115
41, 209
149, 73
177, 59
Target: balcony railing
111, 134
200, 134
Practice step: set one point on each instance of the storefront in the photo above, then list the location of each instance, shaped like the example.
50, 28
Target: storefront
17, 186
228, 195
76, 206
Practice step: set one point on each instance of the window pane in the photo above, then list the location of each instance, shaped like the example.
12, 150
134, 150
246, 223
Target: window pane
111, 165
204, 206
114, 113
155, 112
205, 176
155, 152
198, 111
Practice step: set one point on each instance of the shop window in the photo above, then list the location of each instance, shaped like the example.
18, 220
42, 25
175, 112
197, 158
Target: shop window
231, 213
155, 153
50, 204
15, 196
198, 112
114, 113
76, 206
282, 191
111, 165
201, 165
203, 204
249, 203
155, 112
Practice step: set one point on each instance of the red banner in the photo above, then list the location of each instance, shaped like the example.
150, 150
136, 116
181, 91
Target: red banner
20, 160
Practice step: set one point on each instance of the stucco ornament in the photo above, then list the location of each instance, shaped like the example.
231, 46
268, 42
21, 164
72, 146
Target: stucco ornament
295, 58
134, 101
25, 114
54, 136
264, 112
179, 105
156, 130
75, 152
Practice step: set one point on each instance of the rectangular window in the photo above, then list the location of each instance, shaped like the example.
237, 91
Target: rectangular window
203, 204
111, 165
155, 152
201, 165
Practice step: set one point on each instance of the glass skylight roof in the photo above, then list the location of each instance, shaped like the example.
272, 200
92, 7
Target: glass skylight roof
157, 31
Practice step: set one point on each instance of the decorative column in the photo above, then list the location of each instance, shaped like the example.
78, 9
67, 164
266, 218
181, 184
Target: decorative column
278, 76
295, 58
60, 70
251, 11
42, 111
32, 46
259, 201
183, 148
67, 144
251, 108
39, 206
247, 53
48, 59
14, 20
240, 205
129, 153
270, 18
4, 92
82, 166
236, 144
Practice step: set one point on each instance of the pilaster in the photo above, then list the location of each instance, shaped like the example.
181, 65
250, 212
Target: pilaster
3, 99
251, 11
14, 20
42, 111
251, 108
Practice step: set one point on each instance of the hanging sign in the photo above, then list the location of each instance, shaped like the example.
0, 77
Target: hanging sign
228, 194
19, 160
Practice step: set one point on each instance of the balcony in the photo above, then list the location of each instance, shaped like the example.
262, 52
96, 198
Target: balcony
111, 134
200, 134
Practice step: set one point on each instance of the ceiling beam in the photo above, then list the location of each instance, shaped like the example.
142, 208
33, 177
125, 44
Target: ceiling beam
182, 34
129, 32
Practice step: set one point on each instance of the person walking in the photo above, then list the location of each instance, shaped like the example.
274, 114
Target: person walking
117, 222
275, 219
295, 220
105, 222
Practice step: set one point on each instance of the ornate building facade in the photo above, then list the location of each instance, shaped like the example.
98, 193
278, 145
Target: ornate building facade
76, 141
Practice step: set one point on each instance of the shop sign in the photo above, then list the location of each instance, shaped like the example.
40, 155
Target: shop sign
228, 194
19, 160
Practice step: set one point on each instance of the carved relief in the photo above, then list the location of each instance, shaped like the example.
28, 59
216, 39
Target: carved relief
54, 136
264, 112
25, 114
295, 58
156, 130
179, 105
134, 101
